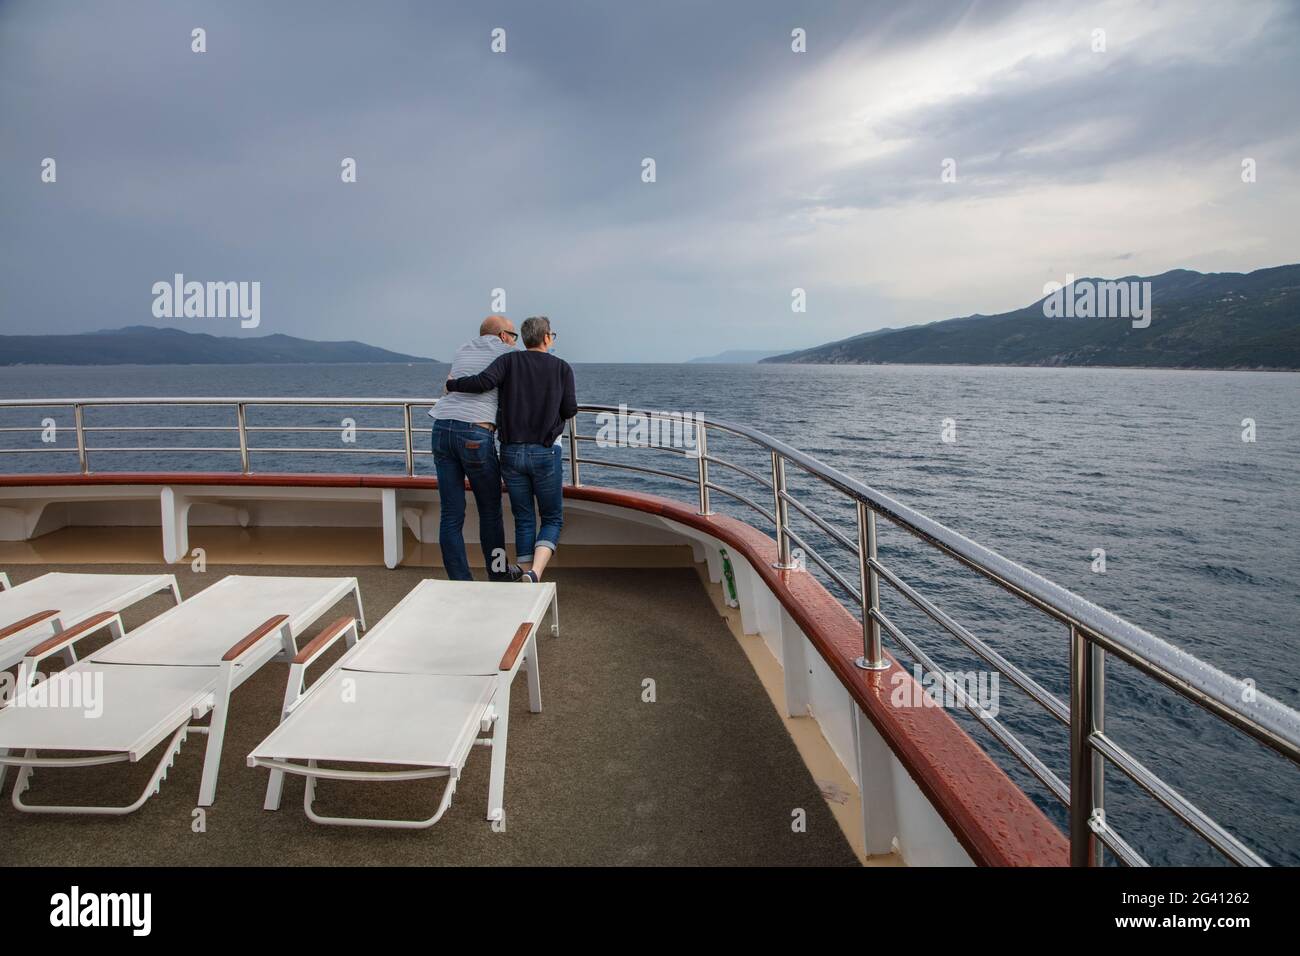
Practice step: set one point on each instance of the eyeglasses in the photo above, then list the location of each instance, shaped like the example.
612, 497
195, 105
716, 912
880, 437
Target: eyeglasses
513, 335
554, 335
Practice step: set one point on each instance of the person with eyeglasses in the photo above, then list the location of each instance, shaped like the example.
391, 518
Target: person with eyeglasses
536, 396
464, 446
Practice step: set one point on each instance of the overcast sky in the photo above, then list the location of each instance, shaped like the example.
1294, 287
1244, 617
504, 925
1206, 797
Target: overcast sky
522, 170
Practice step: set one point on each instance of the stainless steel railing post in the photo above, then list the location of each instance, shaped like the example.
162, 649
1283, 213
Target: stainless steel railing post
782, 513
702, 473
81, 439
1097, 691
1083, 689
574, 474
241, 417
873, 653
406, 429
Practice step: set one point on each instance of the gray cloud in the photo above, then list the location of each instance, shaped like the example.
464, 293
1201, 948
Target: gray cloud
522, 170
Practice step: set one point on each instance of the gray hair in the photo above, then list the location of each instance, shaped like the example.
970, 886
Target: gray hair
534, 330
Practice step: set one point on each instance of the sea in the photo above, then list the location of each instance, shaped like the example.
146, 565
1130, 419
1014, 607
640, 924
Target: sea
1168, 497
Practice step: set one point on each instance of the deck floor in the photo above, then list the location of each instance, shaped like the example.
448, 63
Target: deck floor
705, 775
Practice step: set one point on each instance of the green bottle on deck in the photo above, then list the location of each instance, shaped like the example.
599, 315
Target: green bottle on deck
729, 580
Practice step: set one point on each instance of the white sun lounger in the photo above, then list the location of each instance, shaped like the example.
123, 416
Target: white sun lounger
34, 610
415, 694
150, 684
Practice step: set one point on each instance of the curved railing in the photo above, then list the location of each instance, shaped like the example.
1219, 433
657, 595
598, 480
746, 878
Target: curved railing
1094, 632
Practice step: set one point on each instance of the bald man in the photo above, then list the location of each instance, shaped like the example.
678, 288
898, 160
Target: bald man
464, 446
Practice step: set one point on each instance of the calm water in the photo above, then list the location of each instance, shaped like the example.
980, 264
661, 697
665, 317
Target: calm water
1199, 528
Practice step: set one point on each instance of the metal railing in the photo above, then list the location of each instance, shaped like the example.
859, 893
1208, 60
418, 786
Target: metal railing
1093, 631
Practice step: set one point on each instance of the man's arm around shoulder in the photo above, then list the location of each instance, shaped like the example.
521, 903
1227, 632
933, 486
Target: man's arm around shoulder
486, 380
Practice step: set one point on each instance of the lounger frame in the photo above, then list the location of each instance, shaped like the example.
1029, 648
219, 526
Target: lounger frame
14, 646
237, 665
521, 654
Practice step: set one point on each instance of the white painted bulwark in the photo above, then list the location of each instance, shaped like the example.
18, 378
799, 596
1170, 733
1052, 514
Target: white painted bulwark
392, 518
875, 777
794, 659
175, 525
747, 586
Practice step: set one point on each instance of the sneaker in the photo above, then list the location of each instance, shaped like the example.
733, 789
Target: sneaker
515, 572
530, 577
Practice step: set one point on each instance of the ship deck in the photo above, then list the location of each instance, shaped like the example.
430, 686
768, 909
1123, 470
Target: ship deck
707, 774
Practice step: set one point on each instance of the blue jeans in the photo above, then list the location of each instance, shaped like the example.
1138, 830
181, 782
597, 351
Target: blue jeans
464, 450
534, 472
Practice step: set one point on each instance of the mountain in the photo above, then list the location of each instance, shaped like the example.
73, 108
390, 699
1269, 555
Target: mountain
148, 345
736, 357
839, 347
1226, 320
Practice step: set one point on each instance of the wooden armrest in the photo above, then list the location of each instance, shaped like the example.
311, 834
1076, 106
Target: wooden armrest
63, 638
325, 637
263, 629
26, 622
516, 645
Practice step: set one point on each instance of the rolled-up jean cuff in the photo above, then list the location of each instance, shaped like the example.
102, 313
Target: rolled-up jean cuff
548, 545
520, 559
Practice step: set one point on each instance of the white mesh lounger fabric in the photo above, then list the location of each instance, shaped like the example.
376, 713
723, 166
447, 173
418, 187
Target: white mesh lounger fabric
145, 687
414, 695
34, 610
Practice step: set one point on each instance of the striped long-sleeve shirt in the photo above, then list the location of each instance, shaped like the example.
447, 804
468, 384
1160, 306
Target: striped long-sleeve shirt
471, 358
